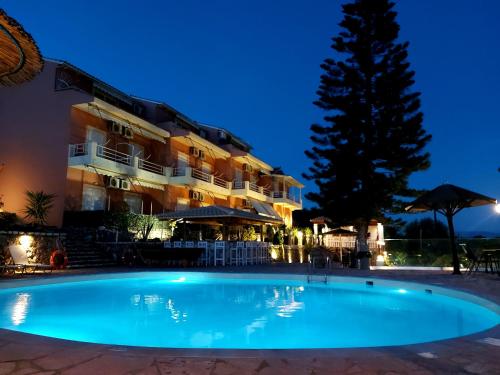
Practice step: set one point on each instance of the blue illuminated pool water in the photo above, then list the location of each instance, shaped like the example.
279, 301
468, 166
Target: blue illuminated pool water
197, 310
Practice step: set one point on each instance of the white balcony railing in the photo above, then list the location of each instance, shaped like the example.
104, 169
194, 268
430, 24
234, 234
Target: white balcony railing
151, 167
238, 185
100, 151
221, 182
285, 195
114, 155
80, 149
200, 175
179, 172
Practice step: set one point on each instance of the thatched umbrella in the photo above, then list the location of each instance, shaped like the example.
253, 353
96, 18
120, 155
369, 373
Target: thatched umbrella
448, 200
20, 58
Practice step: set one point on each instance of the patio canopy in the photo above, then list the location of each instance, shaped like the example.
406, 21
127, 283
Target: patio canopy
20, 58
341, 232
226, 215
449, 200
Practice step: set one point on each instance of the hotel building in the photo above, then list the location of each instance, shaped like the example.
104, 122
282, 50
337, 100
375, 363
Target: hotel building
95, 147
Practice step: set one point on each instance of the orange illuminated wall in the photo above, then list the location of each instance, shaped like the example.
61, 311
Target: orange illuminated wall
35, 130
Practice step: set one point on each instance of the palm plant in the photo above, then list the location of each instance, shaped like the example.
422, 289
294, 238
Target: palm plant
38, 205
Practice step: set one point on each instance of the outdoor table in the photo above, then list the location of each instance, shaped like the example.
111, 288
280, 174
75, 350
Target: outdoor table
491, 260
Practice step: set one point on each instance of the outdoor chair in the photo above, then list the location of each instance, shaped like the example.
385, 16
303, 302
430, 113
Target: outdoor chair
189, 244
250, 256
204, 259
21, 261
234, 253
220, 253
177, 244
167, 244
472, 259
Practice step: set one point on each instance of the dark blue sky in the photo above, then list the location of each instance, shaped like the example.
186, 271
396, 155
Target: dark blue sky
253, 67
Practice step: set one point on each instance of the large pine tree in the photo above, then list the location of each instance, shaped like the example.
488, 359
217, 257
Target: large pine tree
372, 138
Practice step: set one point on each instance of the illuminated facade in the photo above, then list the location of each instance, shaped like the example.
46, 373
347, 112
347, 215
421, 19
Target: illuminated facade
70, 134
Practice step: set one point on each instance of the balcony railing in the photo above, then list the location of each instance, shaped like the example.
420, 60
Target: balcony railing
285, 195
80, 149
151, 167
114, 155
221, 182
179, 172
200, 175
238, 184
253, 186
83, 149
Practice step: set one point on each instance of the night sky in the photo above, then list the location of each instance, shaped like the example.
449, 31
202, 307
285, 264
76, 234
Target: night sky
253, 68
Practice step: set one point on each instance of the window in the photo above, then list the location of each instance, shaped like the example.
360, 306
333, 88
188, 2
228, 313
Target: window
182, 160
137, 150
134, 202
207, 168
182, 204
93, 198
96, 135
238, 175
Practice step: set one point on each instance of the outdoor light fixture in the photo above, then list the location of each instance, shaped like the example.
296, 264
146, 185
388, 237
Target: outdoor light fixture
25, 241
497, 208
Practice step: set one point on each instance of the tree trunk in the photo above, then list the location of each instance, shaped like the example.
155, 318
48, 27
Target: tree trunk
453, 245
362, 250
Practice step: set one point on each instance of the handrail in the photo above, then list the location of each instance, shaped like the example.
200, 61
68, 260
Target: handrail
114, 155
221, 182
151, 167
253, 186
79, 149
200, 175
238, 184
177, 172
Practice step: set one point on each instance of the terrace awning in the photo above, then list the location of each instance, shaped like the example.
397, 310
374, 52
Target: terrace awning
106, 111
264, 209
220, 214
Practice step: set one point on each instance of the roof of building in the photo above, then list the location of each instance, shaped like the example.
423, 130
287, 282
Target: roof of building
213, 212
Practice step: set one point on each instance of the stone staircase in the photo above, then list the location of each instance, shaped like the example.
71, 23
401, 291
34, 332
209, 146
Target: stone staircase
82, 250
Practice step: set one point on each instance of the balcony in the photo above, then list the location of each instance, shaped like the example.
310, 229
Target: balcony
288, 200
247, 189
113, 162
197, 179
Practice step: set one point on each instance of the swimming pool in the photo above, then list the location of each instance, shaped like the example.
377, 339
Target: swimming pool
241, 311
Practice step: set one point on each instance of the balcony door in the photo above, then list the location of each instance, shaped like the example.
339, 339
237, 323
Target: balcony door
182, 160
96, 135
238, 175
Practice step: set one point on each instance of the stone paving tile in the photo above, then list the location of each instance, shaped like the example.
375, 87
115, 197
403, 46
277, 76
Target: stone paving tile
66, 358
7, 367
109, 364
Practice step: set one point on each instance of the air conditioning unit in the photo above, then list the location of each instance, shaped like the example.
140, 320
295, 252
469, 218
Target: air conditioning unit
247, 168
194, 194
113, 182
247, 204
201, 197
194, 151
202, 155
127, 132
124, 185
115, 127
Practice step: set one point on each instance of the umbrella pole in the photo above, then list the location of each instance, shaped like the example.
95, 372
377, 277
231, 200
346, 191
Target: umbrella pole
456, 262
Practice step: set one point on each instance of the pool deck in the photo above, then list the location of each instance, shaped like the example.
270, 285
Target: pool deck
475, 354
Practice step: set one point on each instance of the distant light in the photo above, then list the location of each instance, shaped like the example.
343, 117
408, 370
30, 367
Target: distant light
497, 208
402, 291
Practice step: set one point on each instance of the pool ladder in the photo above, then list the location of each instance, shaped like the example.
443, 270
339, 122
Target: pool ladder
319, 279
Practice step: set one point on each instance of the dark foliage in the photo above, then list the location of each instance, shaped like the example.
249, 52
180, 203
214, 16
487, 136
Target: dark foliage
372, 138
